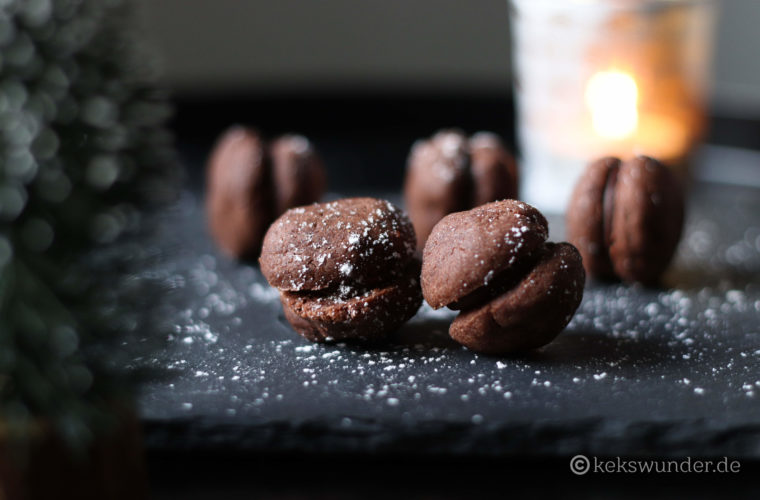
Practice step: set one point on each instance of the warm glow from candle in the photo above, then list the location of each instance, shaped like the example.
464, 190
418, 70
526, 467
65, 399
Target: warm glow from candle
612, 98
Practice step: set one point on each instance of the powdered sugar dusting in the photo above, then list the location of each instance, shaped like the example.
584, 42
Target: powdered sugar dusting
485, 139
624, 358
320, 243
346, 268
445, 156
300, 144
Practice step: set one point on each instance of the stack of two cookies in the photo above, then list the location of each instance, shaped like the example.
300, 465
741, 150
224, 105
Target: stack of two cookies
345, 269
515, 291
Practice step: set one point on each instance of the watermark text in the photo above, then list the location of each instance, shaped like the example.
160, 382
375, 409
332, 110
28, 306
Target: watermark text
581, 464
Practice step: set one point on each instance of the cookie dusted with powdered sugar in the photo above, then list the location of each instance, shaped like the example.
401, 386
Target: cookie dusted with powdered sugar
515, 291
239, 201
450, 172
532, 312
468, 251
249, 182
345, 269
297, 171
351, 313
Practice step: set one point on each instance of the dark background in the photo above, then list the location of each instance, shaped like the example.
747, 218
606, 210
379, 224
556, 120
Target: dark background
379, 74
365, 137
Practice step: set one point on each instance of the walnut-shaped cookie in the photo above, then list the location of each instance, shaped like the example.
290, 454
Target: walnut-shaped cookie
450, 173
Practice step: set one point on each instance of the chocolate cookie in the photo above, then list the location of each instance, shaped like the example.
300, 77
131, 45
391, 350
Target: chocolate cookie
515, 291
299, 176
322, 246
438, 181
470, 250
494, 170
345, 269
585, 217
239, 202
361, 314
250, 183
626, 218
531, 313
449, 173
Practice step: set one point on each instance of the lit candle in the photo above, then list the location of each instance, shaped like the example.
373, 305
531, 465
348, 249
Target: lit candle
620, 129
606, 77
611, 97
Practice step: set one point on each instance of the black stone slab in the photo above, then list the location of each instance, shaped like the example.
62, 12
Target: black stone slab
671, 371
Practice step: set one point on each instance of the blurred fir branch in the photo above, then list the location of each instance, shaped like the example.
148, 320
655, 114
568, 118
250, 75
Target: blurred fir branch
84, 153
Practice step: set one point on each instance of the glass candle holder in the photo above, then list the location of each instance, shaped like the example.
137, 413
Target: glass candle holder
606, 77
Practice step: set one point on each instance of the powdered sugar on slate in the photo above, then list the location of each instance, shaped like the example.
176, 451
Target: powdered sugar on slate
644, 341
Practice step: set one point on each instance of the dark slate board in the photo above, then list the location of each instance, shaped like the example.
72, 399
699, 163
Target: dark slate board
670, 371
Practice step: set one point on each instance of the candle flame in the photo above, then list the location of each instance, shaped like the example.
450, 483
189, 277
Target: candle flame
612, 98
